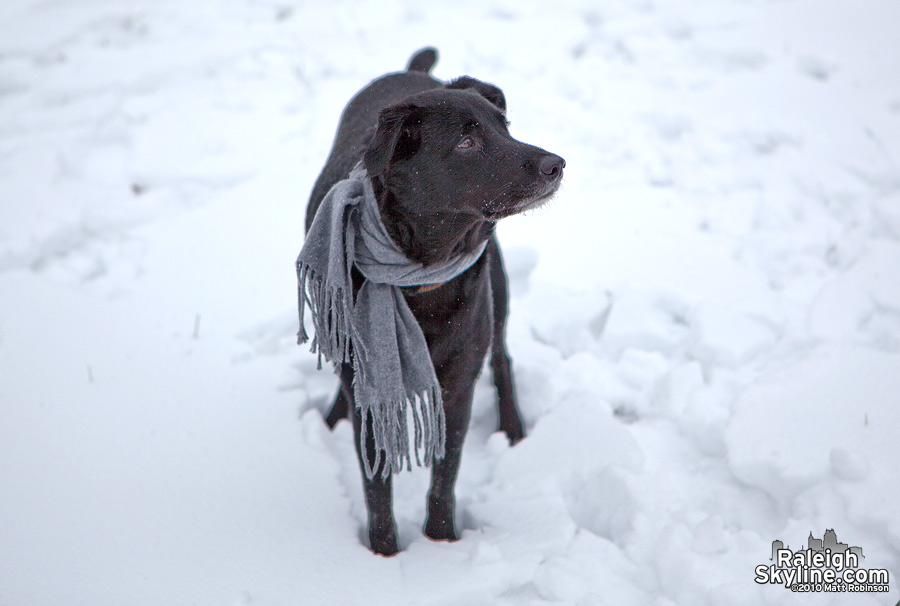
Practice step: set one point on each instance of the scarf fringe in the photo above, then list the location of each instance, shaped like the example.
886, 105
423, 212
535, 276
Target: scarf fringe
331, 316
390, 432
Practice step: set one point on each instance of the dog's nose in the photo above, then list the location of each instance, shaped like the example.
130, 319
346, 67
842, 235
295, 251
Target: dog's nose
552, 166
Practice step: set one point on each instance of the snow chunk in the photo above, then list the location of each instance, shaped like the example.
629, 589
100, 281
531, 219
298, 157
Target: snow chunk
603, 504
833, 412
848, 465
644, 321
840, 310
863, 303
576, 320
721, 336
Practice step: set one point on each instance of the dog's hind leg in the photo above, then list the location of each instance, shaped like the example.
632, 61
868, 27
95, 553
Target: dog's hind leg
338, 409
501, 365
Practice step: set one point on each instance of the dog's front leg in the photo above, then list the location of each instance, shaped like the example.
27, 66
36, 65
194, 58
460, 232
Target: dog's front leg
382, 530
440, 524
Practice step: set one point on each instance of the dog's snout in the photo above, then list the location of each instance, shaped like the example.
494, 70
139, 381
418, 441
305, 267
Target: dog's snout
552, 166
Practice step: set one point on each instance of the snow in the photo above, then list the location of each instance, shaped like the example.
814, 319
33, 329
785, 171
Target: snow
705, 322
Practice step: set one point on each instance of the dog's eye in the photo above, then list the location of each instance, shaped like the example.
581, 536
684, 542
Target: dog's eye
466, 143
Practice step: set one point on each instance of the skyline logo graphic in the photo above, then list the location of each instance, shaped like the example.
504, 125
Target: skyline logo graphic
825, 565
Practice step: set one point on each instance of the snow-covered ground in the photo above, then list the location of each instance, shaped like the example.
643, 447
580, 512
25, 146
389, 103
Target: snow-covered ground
705, 322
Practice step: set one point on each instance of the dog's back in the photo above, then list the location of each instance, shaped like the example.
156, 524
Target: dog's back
360, 118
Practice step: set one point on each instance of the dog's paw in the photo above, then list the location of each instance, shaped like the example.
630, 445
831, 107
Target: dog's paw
439, 525
383, 543
512, 426
441, 531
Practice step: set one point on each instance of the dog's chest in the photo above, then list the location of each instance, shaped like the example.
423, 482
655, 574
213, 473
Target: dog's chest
458, 314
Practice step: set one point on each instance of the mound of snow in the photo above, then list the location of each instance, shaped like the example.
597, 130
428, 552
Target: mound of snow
831, 416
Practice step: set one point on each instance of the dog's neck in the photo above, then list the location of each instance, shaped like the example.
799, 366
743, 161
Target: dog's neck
433, 237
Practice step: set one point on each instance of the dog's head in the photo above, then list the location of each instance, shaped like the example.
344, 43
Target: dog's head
446, 155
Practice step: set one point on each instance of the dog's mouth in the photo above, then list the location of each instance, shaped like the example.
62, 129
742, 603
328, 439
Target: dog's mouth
519, 205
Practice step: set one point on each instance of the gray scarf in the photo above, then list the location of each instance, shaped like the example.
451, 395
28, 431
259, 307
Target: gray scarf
389, 354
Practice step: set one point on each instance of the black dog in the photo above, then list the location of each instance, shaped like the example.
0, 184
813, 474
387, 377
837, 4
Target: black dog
444, 169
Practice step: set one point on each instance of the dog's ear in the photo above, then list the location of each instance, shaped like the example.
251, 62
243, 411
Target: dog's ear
488, 91
397, 137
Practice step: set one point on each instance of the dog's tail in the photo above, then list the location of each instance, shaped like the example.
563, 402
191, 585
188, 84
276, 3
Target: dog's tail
423, 60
